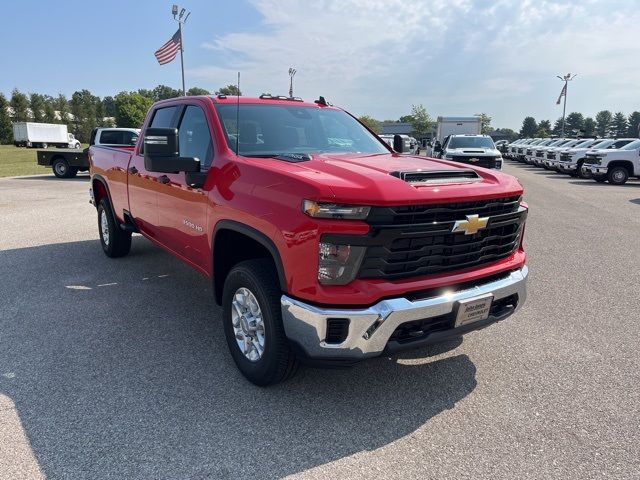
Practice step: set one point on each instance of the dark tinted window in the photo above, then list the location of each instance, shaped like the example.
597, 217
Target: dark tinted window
129, 138
195, 137
111, 137
163, 117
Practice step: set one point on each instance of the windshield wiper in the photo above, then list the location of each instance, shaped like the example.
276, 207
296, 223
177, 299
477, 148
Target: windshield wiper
288, 157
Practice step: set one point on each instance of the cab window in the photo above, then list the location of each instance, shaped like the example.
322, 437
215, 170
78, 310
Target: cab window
194, 136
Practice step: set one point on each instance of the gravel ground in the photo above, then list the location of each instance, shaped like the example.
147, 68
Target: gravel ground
119, 369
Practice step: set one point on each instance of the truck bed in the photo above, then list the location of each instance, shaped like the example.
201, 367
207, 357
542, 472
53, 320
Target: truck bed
74, 157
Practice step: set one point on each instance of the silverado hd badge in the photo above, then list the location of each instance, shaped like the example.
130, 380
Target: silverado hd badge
473, 224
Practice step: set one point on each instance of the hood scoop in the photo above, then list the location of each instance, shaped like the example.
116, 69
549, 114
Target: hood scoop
473, 151
438, 177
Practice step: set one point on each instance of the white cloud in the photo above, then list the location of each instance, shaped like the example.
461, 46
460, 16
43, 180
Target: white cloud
380, 56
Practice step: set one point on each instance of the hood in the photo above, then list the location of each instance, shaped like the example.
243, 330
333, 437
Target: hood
368, 179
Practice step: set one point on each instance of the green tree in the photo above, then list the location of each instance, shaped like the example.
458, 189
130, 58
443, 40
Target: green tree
198, 91
633, 125
589, 127
6, 131
420, 121
36, 103
573, 123
373, 124
509, 133
49, 110
131, 108
146, 93
544, 128
20, 105
485, 123
85, 116
163, 92
230, 90
109, 106
603, 123
619, 124
529, 127
557, 127
61, 104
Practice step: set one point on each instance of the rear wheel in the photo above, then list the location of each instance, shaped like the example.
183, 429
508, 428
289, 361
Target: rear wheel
115, 241
618, 175
61, 168
253, 323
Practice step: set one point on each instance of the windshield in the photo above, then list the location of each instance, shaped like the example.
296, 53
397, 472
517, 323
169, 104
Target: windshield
270, 130
584, 143
631, 146
601, 144
471, 142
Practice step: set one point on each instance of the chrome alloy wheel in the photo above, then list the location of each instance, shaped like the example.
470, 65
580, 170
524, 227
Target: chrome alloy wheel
104, 227
248, 326
618, 176
60, 168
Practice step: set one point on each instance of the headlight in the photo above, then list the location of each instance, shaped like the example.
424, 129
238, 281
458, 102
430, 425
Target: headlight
338, 264
332, 210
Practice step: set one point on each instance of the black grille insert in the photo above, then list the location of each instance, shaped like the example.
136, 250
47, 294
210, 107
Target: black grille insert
337, 330
485, 162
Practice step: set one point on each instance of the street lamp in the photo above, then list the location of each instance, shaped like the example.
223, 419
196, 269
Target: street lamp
292, 72
566, 79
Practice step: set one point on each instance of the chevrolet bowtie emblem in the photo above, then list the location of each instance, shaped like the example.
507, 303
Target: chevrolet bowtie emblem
474, 160
473, 224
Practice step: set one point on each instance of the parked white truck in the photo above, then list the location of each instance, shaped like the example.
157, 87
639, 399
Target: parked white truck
447, 126
43, 135
615, 165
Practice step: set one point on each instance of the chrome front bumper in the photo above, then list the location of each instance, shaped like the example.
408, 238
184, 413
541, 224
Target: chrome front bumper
370, 328
595, 169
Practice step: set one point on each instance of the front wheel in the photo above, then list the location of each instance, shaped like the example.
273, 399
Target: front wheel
253, 323
115, 241
618, 175
600, 178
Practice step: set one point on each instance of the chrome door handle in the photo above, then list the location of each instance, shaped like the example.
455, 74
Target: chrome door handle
133, 170
163, 179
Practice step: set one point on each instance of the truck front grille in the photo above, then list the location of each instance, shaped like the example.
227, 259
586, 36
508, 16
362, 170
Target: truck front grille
551, 156
486, 162
565, 157
418, 240
539, 154
593, 160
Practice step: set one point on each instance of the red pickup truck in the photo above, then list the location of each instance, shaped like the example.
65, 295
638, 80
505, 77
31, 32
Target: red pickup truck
322, 243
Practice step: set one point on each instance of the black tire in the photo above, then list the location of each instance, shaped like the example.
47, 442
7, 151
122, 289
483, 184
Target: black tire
277, 362
116, 242
73, 171
61, 168
600, 178
581, 174
618, 175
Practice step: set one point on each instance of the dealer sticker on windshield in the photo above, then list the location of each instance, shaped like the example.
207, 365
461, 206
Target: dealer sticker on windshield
473, 309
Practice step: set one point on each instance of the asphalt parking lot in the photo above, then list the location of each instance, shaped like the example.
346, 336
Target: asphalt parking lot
119, 368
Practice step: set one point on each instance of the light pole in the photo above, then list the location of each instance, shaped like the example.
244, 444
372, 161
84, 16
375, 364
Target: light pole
566, 79
292, 72
181, 18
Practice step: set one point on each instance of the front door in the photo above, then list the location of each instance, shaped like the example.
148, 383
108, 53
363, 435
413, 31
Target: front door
182, 209
143, 185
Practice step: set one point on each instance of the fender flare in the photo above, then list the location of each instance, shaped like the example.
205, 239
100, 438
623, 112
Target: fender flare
257, 236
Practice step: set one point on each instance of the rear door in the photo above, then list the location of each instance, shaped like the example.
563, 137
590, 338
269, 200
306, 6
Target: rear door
181, 208
143, 184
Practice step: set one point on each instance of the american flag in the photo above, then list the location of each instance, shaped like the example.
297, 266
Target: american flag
562, 93
169, 50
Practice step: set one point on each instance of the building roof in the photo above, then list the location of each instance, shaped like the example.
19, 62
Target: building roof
397, 128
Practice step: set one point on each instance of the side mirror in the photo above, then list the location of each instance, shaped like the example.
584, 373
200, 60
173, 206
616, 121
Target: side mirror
162, 152
398, 143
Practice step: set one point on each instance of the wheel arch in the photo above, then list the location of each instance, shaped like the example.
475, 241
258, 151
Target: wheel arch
622, 163
247, 243
100, 190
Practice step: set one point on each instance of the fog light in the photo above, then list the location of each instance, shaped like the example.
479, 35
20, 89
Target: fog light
338, 264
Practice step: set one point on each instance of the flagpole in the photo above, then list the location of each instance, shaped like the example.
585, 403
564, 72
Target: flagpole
566, 79
184, 92
178, 17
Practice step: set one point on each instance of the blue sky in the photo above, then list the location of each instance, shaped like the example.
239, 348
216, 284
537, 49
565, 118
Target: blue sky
376, 57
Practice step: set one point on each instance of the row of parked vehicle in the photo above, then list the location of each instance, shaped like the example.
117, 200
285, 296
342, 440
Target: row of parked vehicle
603, 159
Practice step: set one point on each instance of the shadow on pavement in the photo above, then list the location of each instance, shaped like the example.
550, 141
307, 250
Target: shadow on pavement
79, 178
119, 368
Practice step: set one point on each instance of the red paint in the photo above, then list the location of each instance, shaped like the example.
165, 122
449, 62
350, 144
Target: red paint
266, 194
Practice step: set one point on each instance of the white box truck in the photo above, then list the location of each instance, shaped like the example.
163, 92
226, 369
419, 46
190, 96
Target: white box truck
43, 135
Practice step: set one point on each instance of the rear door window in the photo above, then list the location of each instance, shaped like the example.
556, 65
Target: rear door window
111, 137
